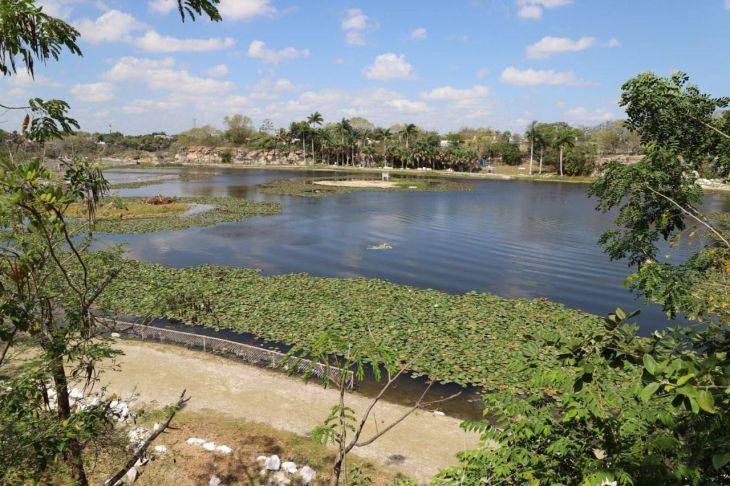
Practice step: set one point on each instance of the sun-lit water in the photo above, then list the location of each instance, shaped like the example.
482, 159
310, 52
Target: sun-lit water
514, 239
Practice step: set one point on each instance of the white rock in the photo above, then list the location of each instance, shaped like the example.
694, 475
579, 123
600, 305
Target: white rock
195, 441
272, 463
223, 449
280, 479
156, 426
161, 448
75, 394
209, 446
142, 461
261, 460
116, 335
130, 477
289, 467
438, 413
307, 474
138, 435
215, 481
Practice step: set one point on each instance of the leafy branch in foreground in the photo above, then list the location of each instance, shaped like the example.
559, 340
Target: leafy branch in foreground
342, 427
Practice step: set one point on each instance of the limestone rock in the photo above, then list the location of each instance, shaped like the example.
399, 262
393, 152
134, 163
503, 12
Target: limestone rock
130, 477
215, 481
279, 479
195, 441
289, 467
307, 474
273, 463
223, 449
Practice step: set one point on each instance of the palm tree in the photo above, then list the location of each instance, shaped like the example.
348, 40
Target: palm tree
314, 119
565, 137
345, 129
408, 131
531, 133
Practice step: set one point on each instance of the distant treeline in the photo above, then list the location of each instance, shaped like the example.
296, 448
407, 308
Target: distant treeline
356, 141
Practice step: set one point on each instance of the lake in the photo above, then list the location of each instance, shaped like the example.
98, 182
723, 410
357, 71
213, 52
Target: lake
510, 238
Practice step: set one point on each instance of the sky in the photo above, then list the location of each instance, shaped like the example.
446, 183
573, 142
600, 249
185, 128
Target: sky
440, 64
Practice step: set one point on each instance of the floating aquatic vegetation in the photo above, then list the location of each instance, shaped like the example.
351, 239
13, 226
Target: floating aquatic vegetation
221, 210
465, 339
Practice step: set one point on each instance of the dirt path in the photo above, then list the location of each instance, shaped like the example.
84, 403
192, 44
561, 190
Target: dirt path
159, 372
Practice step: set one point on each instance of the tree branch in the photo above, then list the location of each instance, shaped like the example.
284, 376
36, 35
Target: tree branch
143, 447
691, 215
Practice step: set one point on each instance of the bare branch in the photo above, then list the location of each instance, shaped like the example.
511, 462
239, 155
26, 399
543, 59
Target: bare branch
139, 452
691, 215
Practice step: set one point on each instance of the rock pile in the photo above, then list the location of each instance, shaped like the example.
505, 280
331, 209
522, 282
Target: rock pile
274, 472
209, 445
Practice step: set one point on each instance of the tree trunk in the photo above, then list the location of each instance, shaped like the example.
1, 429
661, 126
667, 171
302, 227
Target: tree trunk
561, 160
541, 154
304, 149
337, 469
73, 457
532, 153
314, 158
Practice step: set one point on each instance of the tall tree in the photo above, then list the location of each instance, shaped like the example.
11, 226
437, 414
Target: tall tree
315, 119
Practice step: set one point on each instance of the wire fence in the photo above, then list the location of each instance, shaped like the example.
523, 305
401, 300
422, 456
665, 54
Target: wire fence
245, 352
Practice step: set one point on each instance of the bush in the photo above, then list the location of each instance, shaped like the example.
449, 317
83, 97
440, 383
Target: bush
226, 157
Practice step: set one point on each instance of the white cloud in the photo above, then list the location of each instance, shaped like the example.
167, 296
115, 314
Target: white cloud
162, 6
406, 105
533, 9
245, 9
390, 66
112, 26
583, 115
339, 60
217, 70
547, 46
448, 93
151, 41
257, 50
419, 33
355, 19
535, 77
617, 43
354, 24
57, 8
482, 73
161, 74
93, 92
355, 38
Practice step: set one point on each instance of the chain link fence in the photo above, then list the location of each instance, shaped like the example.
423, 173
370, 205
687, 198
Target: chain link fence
245, 352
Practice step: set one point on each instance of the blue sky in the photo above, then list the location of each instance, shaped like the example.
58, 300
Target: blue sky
442, 65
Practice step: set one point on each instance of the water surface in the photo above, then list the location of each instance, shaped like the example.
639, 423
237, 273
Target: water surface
510, 238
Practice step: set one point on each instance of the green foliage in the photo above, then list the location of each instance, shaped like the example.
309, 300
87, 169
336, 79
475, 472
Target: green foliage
466, 339
31, 34
200, 8
226, 157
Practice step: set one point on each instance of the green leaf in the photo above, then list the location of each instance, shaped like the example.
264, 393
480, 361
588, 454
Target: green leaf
685, 379
706, 401
720, 460
649, 364
648, 391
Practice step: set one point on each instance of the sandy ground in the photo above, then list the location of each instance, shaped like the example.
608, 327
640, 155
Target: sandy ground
354, 183
157, 372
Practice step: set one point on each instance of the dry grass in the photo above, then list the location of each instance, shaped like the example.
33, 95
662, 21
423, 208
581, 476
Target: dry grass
184, 465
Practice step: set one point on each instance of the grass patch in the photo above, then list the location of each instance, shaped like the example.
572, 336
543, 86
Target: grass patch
465, 339
306, 187
133, 215
183, 464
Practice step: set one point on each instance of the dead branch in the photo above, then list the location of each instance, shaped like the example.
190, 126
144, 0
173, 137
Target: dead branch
142, 448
